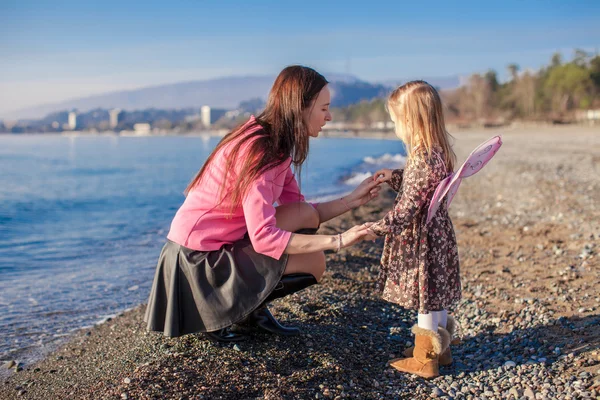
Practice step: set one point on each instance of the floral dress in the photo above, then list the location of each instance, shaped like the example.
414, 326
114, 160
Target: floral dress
419, 264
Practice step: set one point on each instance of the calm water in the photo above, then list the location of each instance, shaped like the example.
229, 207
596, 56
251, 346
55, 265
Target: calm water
83, 219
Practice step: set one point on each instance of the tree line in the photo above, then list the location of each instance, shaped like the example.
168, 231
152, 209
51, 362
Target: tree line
553, 93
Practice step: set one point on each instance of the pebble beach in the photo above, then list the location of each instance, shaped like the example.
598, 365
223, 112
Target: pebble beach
528, 230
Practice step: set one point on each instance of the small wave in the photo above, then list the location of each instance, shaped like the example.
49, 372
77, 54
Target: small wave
105, 319
357, 178
386, 159
370, 165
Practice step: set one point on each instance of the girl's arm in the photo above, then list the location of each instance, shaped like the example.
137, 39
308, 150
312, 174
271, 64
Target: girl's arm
420, 183
391, 177
395, 181
365, 192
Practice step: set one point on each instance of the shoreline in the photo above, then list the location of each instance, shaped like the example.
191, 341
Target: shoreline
528, 231
363, 134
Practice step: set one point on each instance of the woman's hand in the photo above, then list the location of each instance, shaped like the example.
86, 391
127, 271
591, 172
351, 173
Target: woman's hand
383, 175
355, 234
370, 234
366, 191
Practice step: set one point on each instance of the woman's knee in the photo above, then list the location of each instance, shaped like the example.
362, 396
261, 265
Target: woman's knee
312, 216
313, 263
293, 217
320, 266
308, 216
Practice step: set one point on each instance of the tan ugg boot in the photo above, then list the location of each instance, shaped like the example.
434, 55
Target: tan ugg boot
446, 357
428, 347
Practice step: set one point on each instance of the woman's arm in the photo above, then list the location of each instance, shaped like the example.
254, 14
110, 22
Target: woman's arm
270, 240
301, 244
365, 192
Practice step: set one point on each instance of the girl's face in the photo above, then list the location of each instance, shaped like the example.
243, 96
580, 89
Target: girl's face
317, 114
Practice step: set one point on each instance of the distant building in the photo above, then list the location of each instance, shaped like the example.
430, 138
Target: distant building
233, 114
142, 128
382, 125
8, 125
193, 118
115, 115
591, 116
72, 124
205, 116
334, 126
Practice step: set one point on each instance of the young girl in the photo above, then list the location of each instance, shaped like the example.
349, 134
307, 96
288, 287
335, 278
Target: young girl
419, 265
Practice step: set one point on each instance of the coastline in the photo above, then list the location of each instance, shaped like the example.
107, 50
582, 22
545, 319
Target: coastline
524, 127
528, 234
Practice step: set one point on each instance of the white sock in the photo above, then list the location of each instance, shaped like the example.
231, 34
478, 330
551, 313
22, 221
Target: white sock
428, 321
442, 317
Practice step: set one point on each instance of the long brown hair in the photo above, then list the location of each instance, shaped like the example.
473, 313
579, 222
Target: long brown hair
281, 132
418, 107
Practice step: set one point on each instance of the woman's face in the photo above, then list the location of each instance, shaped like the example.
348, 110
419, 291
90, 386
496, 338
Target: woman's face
317, 114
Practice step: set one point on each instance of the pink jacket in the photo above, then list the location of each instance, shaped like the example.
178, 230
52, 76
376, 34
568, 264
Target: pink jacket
203, 224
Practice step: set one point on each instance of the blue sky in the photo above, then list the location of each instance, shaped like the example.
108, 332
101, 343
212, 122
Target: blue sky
55, 50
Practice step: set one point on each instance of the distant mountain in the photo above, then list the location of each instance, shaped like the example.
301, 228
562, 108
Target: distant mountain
218, 93
222, 93
226, 93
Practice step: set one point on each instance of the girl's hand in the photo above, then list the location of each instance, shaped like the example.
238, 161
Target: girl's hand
383, 175
366, 191
355, 234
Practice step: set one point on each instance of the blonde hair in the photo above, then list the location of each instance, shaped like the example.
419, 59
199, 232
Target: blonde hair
418, 107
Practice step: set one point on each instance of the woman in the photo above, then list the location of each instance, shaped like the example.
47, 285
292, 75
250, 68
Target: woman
230, 250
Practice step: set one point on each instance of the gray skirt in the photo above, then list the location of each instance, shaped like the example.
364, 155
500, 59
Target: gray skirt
200, 291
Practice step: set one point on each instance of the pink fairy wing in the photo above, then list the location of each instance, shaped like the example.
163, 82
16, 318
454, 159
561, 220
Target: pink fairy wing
437, 198
474, 163
452, 190
479, 157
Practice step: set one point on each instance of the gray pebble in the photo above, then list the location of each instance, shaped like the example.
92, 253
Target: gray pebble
529, 393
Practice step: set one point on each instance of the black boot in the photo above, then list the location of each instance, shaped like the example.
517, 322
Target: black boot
290, 284
262, 317
225, 335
